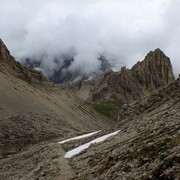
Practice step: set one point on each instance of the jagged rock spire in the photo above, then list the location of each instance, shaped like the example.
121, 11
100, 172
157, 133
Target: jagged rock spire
155, 69
153, 72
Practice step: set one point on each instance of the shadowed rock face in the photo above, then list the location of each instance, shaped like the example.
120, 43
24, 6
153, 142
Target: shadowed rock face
63, 73
5, 56
17, 69
129, 84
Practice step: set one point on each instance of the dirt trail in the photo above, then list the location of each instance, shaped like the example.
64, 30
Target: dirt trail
66, 171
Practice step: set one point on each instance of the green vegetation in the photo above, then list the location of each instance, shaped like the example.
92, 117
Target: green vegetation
108, 108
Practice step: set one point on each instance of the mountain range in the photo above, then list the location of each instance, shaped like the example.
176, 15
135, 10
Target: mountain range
35, 114
63, 73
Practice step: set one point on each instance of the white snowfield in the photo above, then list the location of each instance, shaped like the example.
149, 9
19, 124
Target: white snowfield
80, 148
78, 137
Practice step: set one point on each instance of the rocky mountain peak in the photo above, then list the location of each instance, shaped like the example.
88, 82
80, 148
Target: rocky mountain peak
10, 65
5, 56
156, 68
129, 84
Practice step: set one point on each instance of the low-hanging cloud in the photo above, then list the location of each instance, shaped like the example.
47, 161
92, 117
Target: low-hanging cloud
122, 31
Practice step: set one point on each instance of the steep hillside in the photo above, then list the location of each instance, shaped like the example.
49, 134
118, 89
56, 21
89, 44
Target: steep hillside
10, 65
36, 114
148, 146
32, 109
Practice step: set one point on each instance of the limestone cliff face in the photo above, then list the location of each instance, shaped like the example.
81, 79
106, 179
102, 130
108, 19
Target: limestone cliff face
129, 84
10, 65
156, 69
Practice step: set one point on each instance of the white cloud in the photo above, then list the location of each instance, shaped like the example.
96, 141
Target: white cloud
123, 30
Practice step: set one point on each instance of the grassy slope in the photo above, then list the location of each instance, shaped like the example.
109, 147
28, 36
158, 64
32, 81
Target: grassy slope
108, 108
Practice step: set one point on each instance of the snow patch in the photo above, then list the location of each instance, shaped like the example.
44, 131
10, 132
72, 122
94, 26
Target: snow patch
38, 69
78, 137
80, 148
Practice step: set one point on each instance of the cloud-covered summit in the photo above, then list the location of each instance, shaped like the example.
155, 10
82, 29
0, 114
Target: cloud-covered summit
122, 31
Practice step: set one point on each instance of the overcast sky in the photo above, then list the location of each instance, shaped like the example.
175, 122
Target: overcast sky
123, 30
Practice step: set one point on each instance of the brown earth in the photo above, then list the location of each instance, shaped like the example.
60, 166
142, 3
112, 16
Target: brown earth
148, 146
31, 112
35, 114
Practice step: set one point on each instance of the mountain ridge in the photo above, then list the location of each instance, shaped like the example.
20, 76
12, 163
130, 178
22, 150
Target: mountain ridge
35, 116
10, 65
127, 84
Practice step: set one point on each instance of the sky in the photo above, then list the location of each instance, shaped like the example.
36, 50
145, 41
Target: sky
124, 31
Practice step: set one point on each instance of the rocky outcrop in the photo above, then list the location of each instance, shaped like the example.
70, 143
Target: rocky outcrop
129, 84
155, 70
148, 146
10, 65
